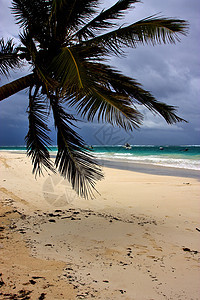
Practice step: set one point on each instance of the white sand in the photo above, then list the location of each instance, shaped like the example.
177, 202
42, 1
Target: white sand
128, 243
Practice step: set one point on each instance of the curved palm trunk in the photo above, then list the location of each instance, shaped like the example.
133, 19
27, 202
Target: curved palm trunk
16, 86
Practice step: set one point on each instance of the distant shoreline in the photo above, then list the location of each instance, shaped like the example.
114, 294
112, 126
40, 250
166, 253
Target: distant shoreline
145, 168
149, 168
172, 157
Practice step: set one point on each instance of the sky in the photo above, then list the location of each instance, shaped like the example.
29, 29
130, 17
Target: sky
170, 72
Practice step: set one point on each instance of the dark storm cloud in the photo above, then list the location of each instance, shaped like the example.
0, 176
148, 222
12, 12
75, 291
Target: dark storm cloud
8, 27
170, 72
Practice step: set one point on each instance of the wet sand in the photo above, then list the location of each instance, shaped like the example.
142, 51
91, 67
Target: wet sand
149, 168
139, 239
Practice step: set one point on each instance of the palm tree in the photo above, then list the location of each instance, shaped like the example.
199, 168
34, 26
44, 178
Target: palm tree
66, 44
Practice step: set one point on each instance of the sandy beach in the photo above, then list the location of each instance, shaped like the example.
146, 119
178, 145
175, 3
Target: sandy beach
138, 239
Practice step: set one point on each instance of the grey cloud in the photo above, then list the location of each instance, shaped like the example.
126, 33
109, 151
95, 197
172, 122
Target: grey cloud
170, 72
8, 28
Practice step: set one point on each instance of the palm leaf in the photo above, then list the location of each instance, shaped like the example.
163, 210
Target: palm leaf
107, 106
89, 96
9, 58
37, 139
129, 87
152, 30
32, 15
102, 20
73, 160
70, 14
66, 70
89, 52
37, 60
30, 47
112, 97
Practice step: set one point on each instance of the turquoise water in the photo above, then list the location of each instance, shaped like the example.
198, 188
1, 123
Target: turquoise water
185, 156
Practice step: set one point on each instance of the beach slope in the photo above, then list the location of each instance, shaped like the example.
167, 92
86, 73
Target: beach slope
139, 239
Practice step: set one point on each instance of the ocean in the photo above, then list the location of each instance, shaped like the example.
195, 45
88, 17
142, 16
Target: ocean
184, 156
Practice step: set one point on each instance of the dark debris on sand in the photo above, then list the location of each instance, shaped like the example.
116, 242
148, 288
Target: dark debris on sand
76, 215
21, 295
191, 251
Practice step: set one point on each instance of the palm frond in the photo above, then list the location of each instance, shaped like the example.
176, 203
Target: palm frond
37, 139
152, 30
73, 160
29, 49
90, 95
31, 14
103, 20
129, 87
9, 58
16, 86
34, 16
107, 106
66, 68
37, 60
89, 52
70, 14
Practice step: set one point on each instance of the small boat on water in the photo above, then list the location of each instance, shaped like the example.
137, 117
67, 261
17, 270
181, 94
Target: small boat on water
127, 146
89, 147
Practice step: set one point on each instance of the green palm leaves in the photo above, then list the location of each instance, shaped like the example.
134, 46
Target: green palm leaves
66, 69
66, 44
8, 57
37, 138
104, 19
73, 159
152, 30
